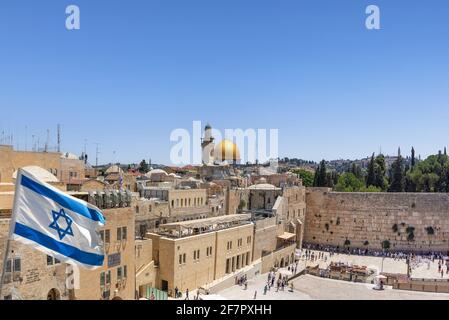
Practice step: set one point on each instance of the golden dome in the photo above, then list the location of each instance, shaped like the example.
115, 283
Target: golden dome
226, 150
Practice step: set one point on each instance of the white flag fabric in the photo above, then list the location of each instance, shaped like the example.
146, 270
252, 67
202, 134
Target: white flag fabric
60, 225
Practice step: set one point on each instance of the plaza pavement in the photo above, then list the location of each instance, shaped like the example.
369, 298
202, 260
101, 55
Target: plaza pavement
310, 287
390, 265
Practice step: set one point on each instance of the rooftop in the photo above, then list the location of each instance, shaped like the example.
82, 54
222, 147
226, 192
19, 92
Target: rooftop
199, 226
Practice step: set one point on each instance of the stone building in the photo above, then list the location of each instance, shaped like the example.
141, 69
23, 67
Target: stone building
195, 253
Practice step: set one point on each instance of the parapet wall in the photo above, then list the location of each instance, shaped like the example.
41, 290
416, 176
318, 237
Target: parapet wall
368, 219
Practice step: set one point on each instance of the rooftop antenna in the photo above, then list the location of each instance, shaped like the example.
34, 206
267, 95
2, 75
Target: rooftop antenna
59, 138
48, 141
97, 152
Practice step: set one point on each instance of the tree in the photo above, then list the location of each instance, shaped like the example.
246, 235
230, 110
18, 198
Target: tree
397, 175
370, 178
306, 176
143, 166
356, 170
413, 161
315, 176
380, 168
348, 182
431, 175
321, 177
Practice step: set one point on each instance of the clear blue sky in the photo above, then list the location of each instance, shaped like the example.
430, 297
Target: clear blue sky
139, 69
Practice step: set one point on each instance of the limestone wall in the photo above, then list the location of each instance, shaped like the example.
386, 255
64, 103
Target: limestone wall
368, 219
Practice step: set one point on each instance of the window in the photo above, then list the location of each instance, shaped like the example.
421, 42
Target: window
17, 265
184, 258
51, 261
180, 259
229, 246
121, 233
119, 273
239, 242
13, 265
196, 255
228, 265
137, 209
105, 278
248, 239
209, 251
107, 236
125, 272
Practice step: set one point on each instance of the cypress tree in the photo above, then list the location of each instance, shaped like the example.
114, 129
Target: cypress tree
413, 158
380, 169
370, 178
322, 178
315, 176
397, 175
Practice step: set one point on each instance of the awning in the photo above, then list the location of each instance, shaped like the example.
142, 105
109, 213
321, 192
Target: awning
199, 223
287, 236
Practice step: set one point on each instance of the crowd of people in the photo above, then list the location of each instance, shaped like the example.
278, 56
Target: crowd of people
322, 252
397, 255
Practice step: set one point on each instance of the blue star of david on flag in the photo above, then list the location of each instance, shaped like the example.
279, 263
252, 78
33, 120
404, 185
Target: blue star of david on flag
62, 232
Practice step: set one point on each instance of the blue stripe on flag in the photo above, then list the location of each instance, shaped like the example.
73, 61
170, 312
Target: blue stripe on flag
62, 248
63, 200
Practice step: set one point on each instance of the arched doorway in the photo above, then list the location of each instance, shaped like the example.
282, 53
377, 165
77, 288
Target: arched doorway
282, 262
53, 294
117, 298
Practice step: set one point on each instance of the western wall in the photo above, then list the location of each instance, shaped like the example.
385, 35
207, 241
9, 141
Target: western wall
416, 222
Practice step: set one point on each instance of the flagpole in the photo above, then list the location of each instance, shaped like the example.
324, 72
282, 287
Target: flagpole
5, 260
8, 243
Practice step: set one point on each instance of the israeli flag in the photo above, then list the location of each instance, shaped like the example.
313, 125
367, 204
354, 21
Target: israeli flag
57, 224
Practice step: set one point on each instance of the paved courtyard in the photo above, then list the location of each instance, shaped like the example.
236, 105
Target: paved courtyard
420, 270
310, 287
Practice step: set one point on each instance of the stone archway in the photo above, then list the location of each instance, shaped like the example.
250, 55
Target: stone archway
53, 294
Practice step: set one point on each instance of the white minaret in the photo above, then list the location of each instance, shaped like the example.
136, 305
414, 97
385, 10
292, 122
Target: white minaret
207, 146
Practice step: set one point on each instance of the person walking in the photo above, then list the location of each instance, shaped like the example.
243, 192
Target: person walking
187, 294
255, 295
